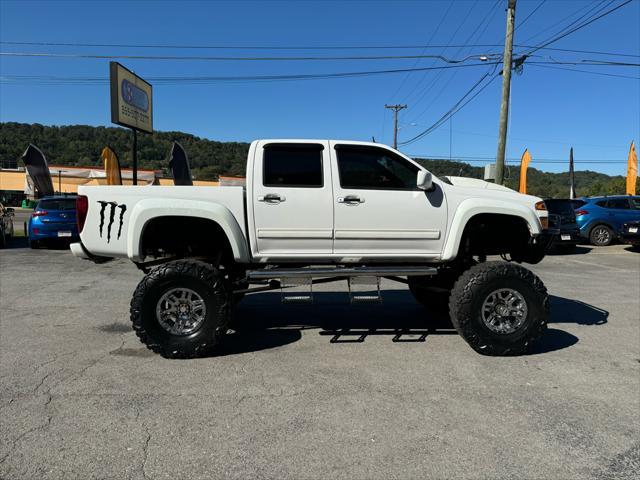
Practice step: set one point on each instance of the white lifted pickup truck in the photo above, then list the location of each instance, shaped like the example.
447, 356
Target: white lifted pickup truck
316, 211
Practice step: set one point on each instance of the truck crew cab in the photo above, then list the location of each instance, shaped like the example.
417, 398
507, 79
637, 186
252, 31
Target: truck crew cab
317, 211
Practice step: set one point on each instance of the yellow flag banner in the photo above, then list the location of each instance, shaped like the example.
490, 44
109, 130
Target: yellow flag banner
632, 170
524, 165
111, 166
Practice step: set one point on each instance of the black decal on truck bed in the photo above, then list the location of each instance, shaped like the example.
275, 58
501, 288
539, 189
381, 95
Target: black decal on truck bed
103, 205
112, 216
123, 208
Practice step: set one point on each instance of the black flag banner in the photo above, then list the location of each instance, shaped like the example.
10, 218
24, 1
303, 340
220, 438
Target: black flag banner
38, 170
572, 180
179, 164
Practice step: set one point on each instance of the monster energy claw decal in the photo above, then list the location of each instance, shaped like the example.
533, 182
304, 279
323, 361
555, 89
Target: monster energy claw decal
112, 217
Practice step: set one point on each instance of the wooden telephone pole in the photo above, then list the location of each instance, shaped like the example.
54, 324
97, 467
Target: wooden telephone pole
396, 109
506, 90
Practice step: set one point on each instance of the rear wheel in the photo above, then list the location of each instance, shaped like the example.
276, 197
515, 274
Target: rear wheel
601, 236
499, 308
181, 309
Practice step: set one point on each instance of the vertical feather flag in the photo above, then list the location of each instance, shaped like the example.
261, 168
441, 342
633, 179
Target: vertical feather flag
524, 165
572, 178
632, 170
111, 166
179, 164
38, 170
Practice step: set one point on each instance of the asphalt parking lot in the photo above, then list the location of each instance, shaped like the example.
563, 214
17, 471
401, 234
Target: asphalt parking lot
317, 391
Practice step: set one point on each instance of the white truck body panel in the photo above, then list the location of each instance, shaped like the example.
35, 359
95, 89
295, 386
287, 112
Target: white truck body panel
312, 224
225, 205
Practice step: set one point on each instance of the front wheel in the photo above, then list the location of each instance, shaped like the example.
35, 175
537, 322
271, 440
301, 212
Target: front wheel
499, 308
181, 309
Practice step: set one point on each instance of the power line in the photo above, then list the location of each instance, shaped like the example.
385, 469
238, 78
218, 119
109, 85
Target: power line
486, 21
578, 27
404, 80
213, 79
419, 82
212, 58
559, 22
316, 47
456, 108
587, 71
531, 14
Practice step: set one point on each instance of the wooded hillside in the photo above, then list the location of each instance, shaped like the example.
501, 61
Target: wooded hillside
81, 145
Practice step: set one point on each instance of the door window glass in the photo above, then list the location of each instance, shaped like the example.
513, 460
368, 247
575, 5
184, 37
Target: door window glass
374, 168
618, 203
290, 165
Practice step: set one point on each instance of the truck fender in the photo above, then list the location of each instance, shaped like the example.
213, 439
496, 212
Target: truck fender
148, 209
476, 206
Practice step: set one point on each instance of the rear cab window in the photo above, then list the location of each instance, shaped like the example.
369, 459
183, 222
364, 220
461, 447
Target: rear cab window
57, 204
560, 207
292, 165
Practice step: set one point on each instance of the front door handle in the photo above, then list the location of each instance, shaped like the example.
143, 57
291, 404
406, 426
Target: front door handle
272, 198
351, 200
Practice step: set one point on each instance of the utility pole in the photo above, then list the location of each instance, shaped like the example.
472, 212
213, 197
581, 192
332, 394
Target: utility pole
396, 109
506, 89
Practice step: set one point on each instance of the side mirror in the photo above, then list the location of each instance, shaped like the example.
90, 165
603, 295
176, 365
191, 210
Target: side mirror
424, 181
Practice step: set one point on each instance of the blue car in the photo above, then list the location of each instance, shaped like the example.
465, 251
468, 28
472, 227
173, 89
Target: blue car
53, 218
601, 218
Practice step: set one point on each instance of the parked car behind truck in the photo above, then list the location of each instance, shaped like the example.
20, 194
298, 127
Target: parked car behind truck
53, 219
563, 217
601, 218
317, 211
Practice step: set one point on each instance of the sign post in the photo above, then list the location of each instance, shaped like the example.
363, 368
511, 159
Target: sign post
131, 105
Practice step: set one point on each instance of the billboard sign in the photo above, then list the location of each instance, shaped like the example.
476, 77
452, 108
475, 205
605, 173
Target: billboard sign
131, 99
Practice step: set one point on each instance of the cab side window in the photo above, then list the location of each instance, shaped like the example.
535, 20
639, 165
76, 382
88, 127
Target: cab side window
374, 168
292, 165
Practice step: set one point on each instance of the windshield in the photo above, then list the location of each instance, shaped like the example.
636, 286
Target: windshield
57, 204
559, 207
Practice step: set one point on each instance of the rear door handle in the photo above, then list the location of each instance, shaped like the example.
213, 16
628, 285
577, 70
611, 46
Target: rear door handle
351, 200
272, 198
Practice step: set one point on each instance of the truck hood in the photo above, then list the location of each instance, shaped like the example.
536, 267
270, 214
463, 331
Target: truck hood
480, 188
476, 183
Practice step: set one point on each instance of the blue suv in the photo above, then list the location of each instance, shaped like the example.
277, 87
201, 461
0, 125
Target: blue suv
53, 218
601, 218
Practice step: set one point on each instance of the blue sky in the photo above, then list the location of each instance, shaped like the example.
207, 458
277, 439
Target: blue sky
551, 109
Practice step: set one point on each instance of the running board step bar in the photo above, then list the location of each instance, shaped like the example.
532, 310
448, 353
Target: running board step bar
328, 272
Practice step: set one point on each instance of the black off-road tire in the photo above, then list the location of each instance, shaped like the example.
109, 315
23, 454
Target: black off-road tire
601, 236
207, 282
470, 292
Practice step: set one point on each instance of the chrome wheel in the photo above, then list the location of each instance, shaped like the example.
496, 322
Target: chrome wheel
504, 311
601, 236
181, 311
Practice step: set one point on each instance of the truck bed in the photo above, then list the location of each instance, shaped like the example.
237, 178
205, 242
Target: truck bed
112, 209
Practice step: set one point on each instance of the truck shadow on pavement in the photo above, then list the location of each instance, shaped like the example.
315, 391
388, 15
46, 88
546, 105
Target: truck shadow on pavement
261, 322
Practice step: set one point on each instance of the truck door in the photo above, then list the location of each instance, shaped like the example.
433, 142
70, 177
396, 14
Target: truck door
292, 199
378, 208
